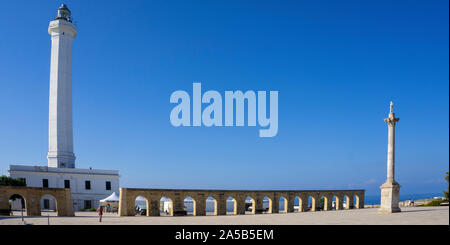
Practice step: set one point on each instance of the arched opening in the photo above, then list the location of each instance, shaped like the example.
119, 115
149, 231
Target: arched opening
48, 205
356, 202
231, 205
267, 205
211, 206
323, 204
346, 204
165, 206
335, 203
282, 205
297, 204
141, 206
311, 204
189, 206
17, 205
249, 205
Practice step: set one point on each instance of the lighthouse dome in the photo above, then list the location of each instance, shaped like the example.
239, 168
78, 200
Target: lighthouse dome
63, 13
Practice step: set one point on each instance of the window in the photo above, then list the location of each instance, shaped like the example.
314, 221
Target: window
66, 183
46, 204
87, 184
45, 183
108, 185
87, 204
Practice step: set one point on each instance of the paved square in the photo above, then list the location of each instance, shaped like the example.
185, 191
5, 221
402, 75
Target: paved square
367, 216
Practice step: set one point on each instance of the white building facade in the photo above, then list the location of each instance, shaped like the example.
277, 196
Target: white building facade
88, 186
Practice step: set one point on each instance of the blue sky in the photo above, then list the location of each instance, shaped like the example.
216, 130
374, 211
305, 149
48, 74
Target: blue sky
336, 65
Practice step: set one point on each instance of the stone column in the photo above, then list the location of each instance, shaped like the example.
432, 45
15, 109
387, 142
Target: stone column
328, 203
200, 205
315, 203
66, 206
349, 203
258, 204
339, 202
154, 206
240, 204
194, 207
274, 203
390, 190
123, 203
360, 203
177, 204
4, 200
221, 204
33, 205
303, 205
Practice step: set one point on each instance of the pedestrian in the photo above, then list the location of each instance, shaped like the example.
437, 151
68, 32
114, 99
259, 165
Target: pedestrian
100, 213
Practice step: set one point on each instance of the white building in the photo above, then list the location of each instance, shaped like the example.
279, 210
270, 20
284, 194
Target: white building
88, 186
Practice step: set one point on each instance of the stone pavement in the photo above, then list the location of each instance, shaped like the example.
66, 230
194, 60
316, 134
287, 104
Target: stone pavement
367, 216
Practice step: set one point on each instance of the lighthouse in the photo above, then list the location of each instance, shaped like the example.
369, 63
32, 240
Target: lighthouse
87, 185
60, 135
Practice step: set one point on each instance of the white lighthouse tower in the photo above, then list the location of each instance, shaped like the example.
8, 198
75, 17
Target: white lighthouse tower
88, 186
60, 135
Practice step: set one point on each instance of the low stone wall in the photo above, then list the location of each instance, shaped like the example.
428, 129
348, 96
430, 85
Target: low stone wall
177, 196
32, 197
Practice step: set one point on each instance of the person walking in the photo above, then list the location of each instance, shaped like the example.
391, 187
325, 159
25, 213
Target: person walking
100, 213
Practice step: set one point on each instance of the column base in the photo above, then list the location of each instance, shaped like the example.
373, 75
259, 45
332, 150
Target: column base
390, 192
389, 211
61, 159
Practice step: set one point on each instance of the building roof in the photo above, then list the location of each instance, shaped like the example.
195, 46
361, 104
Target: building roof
45, 169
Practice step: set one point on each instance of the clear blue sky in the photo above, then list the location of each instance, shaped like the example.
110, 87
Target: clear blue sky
336, 65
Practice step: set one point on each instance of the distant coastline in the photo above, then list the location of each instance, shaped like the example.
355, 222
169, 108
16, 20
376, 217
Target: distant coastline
375, 199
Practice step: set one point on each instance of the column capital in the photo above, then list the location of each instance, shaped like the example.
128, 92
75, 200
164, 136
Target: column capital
391, 120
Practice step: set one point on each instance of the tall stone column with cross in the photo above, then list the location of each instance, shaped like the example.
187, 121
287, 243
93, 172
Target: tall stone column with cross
390, 190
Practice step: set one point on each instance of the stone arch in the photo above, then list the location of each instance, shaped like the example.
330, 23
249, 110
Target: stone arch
247, 201
141, 205
211, 203
268, 209
31, 199
250, 204
166, 205
231, 204
298, 203
18, 202
283, 205
190, 205
323, 203
311, 203
48, 202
